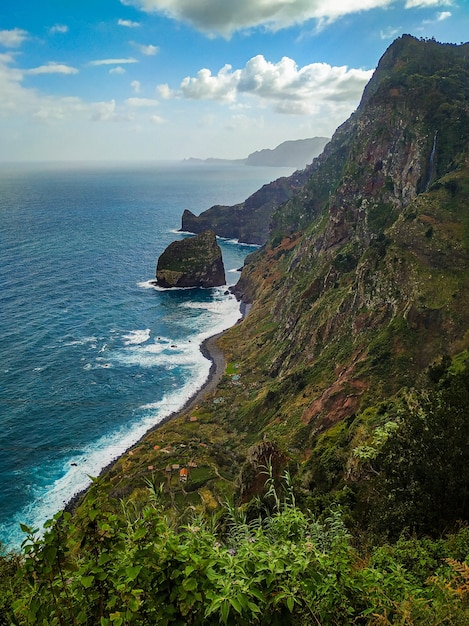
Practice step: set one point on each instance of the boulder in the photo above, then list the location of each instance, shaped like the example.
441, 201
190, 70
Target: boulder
192, 262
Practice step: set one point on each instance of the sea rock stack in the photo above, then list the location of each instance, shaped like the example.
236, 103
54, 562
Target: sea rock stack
192, 262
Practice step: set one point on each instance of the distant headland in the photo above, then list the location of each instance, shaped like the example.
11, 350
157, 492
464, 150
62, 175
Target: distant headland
296, 153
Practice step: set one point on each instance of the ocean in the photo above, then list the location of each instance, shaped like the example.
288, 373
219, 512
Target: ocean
91, 354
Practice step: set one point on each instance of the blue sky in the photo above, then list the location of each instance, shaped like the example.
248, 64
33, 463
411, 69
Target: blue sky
172, 79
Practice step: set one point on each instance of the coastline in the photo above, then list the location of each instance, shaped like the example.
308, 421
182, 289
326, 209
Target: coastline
214, 354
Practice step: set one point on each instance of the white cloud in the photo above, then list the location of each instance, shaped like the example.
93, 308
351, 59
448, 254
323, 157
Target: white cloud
117, 70
52, 68
103, 111
157, 119
421, 4
113, 61
224, 18
12, 38
128, 23
289, 88
136, 86
141, 102
389, 33
48, 109
58, 28
166, 92
443, 15
149, 50
205, 86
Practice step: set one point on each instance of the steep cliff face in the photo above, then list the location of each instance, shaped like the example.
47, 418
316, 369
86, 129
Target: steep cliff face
192, 262
364, 281
248, 221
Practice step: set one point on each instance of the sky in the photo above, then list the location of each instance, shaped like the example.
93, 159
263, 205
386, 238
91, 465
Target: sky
139, 80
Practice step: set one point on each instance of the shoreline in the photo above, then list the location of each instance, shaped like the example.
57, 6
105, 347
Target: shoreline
210, 351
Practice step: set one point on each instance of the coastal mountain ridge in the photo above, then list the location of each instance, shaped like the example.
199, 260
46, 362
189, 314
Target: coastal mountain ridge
292, 153
249, 221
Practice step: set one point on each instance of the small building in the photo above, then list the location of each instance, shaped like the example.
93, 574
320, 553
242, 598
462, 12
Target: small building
183, 474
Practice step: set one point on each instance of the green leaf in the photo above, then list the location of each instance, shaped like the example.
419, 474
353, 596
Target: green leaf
93, 514
236, 605
133, 604
140, 533
225, 611
189, 584
290, 603
133, 572
87, 581
50, 553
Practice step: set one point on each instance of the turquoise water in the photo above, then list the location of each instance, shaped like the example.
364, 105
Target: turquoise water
91, 354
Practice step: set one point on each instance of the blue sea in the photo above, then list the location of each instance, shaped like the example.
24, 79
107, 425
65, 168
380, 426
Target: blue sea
91, 354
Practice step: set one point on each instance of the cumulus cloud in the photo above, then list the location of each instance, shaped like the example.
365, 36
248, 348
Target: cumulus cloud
421, 4
104, 111
289, 88
128, 23
443, 15
58, 28
117, 70
141, 102
136, 86
52, 68
113, 61
216, 17
12, 38
149, 50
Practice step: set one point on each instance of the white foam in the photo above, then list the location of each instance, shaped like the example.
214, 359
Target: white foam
92, 459
135, 337
236, 242
147, 284
174, 231
81, 342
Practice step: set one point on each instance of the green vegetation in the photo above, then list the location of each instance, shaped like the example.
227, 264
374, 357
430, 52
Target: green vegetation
265, 564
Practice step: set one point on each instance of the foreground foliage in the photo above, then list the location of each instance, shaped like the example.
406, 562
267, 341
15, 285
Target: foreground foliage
279, 567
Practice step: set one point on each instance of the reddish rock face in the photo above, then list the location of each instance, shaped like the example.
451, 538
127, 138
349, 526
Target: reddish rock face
192, 262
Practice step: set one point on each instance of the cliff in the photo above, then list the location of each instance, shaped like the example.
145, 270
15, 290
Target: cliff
365, 270
296, 153
191, 262
248, 221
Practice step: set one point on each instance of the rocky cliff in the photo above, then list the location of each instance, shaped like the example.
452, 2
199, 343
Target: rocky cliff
248, 221
296, 153
192, 262
364, 278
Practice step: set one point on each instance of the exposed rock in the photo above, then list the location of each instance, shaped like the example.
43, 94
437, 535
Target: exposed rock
248, 221
192, 262
363, 281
